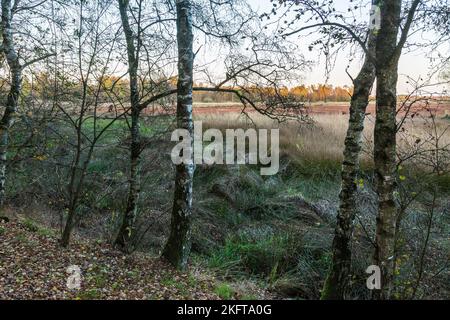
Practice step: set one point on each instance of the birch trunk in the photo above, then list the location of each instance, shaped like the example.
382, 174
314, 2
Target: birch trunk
13, 96
338, 276
127, 226
388, 56
385, 141
178, 245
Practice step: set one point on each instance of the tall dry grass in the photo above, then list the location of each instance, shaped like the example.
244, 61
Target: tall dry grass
323, 138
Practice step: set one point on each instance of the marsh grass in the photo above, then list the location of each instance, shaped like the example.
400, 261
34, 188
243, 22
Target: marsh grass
321, 140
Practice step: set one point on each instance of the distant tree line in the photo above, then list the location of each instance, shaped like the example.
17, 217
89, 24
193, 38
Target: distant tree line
37, 85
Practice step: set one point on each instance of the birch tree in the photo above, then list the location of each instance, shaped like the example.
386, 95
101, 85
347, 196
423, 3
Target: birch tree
337, 280
126, 227
388, 52
148, 29
14, 92
16, 66
340, 269
178, 245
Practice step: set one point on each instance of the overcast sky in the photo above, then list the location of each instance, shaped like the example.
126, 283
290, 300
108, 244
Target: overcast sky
413, 64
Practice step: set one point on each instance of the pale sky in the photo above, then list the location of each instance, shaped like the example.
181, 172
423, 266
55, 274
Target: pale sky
413, 64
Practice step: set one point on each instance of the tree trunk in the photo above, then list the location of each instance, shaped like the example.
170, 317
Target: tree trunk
127, 226
178, 245
65, 238
385, 141
75, 190
126, 230
338, 276
13, 96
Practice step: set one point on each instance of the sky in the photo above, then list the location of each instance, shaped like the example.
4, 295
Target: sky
413, 64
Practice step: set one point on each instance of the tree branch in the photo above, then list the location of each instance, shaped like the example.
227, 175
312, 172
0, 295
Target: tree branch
406, 28
48, 55
335, 24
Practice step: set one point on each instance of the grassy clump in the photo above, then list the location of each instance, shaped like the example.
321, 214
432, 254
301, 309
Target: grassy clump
267, 256
224, 291
30, 225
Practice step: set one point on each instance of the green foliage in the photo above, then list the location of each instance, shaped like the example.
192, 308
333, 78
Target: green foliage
45, 232
266, 256
168, 281
91, 294
21, 238
443, 182
30, 225
314, 181
192, 281
224, 291
249, 297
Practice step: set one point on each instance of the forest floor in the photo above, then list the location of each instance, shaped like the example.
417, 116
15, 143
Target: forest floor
34, 266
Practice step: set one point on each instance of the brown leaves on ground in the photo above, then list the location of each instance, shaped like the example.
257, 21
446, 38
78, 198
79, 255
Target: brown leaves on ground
34, 266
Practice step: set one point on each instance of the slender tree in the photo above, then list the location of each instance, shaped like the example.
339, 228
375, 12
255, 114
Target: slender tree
337, 280
14, 92
338, 277
125, 231
148, 52
388, 52
90, 73
178, 245
16, 67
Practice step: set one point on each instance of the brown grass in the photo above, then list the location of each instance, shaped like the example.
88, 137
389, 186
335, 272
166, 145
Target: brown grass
323, 139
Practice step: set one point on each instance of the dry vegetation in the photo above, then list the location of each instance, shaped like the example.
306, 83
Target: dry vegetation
261, 237
322, 138
92, 91
311, 156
